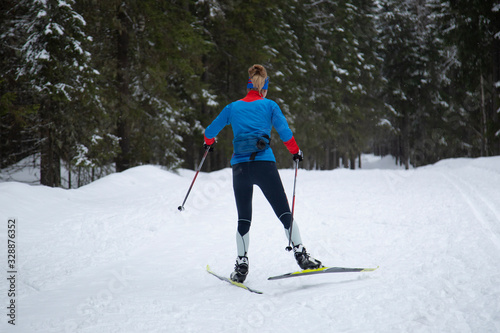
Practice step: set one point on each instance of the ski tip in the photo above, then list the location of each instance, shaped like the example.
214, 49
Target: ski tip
370, 269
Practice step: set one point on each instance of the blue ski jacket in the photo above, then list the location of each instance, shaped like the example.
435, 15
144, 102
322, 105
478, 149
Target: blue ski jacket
253, 115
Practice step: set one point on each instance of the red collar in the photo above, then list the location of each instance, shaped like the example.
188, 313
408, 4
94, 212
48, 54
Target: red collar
253, 95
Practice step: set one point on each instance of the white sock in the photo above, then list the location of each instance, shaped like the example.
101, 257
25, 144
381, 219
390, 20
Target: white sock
296, 239
242, 243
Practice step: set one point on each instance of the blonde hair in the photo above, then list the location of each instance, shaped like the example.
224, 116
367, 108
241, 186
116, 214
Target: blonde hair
258, 75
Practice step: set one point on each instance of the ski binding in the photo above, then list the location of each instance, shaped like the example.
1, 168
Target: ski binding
234, 283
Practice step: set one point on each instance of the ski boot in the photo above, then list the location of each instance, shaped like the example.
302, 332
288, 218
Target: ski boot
303, 258
240, 270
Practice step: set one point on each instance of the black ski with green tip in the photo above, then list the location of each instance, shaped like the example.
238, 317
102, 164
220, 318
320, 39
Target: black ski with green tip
321, 270
237, 284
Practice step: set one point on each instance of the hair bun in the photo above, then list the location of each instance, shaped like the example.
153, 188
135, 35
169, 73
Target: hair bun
257, 70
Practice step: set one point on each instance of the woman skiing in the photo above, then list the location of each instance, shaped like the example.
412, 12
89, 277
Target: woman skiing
253, 163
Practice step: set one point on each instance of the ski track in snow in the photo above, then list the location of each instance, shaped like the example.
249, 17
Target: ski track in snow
483, 209
117, 256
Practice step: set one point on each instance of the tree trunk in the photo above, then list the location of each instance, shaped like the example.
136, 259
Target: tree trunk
122, 80
50, 164
327, 157
484, 138
496, 89
345, 160
335, 159
123, 132
352, 161
79, 182
69, 175
406, 140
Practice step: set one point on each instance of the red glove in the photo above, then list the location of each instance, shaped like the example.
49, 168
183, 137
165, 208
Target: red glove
208, 141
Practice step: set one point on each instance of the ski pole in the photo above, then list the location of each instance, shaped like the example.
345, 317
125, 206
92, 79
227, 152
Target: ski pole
289, 247
181, 207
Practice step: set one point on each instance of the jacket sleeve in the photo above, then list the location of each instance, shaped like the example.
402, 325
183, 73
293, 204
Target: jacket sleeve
218, 124
284, 131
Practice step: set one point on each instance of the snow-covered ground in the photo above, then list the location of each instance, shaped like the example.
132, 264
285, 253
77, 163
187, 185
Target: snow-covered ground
117, 255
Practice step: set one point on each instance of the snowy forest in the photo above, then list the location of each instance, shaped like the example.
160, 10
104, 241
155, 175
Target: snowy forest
97, 87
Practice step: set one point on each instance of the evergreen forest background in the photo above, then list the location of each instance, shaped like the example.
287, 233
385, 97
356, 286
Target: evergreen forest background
97, 87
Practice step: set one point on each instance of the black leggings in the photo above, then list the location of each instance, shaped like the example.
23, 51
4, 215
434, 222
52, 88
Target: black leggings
265, 175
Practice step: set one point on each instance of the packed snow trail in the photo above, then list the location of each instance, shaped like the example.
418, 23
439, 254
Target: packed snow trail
117, 255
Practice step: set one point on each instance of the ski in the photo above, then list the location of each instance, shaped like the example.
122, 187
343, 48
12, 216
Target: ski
237, 284
321, 270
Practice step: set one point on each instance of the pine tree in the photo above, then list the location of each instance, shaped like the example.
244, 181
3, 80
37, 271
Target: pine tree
56, 65
472, 25
416, 76
149, 56
17, 111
